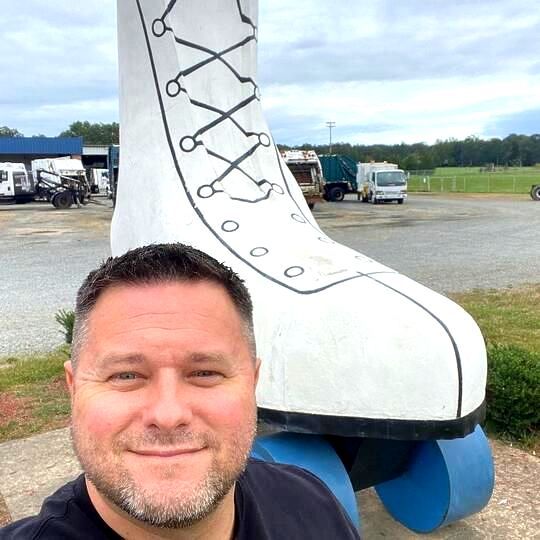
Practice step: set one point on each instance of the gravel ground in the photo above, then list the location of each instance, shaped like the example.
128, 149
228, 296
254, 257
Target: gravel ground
450, 243
45, 255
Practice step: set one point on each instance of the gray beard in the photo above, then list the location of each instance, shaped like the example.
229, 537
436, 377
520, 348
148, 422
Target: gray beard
168, 512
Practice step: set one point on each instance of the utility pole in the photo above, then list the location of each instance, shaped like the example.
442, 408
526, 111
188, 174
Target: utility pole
330, 126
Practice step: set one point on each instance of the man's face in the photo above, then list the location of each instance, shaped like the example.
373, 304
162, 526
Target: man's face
163, 400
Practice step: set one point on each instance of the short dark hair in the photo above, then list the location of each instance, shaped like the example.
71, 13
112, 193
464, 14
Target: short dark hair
159, 263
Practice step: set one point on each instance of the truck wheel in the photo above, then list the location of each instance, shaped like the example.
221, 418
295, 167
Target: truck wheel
336, 194
311, 205
62, 200
400, 201
535, 193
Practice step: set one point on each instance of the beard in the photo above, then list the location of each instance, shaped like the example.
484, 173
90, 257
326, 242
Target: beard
172, 509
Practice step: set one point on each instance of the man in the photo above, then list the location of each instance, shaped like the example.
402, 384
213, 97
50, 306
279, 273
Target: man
162, 381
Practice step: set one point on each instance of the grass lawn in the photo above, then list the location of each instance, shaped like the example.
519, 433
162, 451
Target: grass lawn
33, 394
510, 316
473, 180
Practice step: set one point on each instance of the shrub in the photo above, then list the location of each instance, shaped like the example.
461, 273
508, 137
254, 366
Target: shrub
513, 390
66, 319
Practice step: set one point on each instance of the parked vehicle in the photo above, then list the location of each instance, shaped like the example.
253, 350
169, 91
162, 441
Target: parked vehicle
339, 174
381, 182
98, 180
114, 161
15, 184
62, 181
306, 168
535, 192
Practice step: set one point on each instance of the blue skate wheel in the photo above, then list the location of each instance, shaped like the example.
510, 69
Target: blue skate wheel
446, 481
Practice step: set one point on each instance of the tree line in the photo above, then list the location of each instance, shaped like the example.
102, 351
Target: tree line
512, 151
92, 133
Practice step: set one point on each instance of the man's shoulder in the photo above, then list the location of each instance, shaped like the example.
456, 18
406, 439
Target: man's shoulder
63, 515
293, 497
34, 527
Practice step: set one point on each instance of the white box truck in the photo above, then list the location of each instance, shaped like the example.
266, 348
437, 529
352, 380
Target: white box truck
99, 180
15, 185
381, 182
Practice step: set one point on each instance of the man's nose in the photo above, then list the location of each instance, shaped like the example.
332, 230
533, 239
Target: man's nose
168, 405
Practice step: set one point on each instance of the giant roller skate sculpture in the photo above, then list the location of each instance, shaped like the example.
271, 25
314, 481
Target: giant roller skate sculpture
372, 378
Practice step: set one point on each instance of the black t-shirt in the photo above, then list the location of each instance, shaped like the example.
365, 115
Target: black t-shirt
272, 502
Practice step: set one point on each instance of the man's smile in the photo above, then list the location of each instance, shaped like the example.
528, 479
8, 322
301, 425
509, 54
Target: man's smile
167, 452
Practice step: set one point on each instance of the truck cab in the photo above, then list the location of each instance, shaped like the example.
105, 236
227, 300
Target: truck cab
15, 185
382, 182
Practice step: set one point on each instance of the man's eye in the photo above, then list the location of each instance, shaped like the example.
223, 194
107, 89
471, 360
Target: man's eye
203, 373
125, 376
205, 377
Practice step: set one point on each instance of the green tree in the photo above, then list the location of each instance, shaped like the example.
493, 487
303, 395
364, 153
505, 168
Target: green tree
98, 133
9, 132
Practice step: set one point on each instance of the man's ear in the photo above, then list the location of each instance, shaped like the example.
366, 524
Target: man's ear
68, 370
257, 369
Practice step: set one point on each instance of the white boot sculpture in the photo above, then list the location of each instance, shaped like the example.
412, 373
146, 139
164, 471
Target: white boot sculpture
348, 346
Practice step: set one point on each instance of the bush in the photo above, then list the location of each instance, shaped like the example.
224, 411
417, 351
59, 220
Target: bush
513, 390
66, 319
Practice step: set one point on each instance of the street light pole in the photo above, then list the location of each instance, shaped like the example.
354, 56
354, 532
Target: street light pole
330, 125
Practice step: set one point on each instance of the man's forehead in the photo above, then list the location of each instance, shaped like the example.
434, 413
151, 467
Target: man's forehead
164, 297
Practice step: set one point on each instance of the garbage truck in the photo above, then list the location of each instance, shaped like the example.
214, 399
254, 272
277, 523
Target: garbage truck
339, 174
306, 169
15, 184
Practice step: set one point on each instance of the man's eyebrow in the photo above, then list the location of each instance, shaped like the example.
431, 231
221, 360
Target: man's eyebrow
112, 360
216, 358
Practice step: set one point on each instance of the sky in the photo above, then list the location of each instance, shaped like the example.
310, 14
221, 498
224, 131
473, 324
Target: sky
385, 71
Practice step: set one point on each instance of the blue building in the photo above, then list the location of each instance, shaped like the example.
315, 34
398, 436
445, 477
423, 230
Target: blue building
25, 149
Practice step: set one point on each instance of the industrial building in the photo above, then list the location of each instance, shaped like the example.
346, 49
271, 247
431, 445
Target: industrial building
25, 149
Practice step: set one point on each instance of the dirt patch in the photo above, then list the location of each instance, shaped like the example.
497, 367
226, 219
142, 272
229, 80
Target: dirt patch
14, 408
37, 408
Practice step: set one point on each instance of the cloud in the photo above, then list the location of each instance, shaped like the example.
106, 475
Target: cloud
403, 40
295, 129
383, 70
59, 57
522, 123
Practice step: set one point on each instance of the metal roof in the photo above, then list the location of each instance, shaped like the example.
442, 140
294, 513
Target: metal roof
41, 145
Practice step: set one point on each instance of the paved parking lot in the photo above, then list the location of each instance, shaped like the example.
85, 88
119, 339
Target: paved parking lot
450, 243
